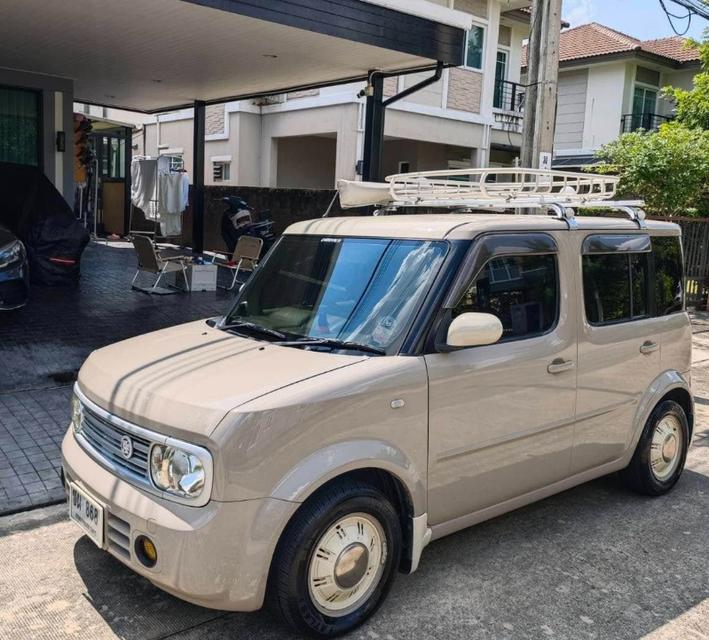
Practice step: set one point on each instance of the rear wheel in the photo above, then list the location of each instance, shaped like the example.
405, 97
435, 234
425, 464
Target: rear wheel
660, 455
336, 560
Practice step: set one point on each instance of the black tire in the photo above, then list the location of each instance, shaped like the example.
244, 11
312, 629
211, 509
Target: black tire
639, 475
288, 583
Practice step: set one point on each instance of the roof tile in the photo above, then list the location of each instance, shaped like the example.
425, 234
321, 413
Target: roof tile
594, 40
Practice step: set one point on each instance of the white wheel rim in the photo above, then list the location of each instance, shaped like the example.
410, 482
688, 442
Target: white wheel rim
666, 447
347, 564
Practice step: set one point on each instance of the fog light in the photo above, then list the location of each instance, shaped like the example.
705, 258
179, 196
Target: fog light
146, 551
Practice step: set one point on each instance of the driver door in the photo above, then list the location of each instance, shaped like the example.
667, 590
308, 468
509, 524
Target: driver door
501, 416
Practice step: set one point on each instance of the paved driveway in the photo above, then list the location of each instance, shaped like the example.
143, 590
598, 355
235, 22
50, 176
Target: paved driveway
594, 562
43, 346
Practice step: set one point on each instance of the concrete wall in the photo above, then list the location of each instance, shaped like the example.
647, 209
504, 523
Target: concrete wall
422, 156
571, 109
319, 170
608, 94
57, 99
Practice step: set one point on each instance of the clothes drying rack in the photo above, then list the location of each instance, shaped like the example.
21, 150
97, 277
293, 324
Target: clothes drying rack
176, 165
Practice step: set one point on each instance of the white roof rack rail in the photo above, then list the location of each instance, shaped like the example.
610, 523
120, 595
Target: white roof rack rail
482, 188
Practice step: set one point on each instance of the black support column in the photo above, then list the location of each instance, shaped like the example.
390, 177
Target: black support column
374, 129
198, 178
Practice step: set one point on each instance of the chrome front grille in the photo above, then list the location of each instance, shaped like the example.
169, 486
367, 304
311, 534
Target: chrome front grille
106, 439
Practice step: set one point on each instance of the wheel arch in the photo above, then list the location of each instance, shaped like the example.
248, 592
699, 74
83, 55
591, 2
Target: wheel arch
669, 385
386, 469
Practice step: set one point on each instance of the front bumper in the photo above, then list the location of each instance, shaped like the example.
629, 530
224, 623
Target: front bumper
215, 556
14, 291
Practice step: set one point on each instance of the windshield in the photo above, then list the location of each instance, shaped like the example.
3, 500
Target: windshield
357, 290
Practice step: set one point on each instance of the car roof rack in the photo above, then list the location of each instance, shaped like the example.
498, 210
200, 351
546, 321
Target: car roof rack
467, 190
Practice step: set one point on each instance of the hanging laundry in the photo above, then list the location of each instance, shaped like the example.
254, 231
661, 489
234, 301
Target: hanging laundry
144, 175
171, 199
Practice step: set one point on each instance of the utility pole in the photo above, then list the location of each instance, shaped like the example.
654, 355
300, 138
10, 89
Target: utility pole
542, 83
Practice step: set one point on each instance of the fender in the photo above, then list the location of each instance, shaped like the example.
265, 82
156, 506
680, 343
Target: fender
664, 383
330, 462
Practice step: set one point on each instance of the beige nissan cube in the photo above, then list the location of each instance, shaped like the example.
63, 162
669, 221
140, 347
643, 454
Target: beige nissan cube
379, 383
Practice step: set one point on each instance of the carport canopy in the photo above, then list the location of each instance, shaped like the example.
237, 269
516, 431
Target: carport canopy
162, 55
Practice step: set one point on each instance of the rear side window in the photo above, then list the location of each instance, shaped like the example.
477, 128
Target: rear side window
628, 278
669, 289
522, 291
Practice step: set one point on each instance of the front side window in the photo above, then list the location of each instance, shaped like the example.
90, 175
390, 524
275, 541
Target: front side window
474, 47
359, 290
522, 291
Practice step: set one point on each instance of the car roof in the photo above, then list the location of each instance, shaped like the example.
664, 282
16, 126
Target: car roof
457, 226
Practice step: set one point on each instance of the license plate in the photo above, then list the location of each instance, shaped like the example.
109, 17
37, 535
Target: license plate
87, 513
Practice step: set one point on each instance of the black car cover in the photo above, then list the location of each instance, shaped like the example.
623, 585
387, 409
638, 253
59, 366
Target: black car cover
36, 212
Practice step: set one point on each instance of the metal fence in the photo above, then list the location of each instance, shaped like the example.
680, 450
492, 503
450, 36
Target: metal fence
647, 121
508, 95
695, 241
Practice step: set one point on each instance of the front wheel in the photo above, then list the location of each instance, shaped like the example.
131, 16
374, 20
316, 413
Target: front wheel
661, 452
336, 560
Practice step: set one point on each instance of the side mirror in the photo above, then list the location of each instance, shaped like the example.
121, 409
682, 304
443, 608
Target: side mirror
474, 330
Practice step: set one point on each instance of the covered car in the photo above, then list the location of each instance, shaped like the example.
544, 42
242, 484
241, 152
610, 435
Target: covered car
14, 273
33, 209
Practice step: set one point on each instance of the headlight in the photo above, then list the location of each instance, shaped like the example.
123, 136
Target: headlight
13, 252
177, 471
77, 414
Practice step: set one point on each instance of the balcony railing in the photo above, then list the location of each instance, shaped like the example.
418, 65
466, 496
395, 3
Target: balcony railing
647, 121
508, 96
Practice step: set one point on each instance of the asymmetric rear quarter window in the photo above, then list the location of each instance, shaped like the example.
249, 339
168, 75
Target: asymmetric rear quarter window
631, 277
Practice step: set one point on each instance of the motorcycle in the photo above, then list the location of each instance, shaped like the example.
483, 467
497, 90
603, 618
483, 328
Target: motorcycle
237, 221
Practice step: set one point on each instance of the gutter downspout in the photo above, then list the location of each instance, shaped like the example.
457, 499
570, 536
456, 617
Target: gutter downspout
374, 121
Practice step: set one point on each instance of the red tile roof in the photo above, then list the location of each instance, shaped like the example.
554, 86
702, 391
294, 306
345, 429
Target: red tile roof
595, 40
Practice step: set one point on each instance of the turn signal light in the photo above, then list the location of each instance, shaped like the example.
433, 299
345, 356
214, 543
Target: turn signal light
146, 551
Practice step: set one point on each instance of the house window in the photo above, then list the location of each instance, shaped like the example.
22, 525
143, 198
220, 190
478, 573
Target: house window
474, 43
404, 166
220, 171
644, 100
20, 126
500, 99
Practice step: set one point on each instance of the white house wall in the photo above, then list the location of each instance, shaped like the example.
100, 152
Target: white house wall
605, 103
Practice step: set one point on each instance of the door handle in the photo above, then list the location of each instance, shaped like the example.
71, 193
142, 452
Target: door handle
559, 366
649, 347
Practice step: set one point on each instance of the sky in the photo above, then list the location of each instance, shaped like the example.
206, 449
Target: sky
642, 19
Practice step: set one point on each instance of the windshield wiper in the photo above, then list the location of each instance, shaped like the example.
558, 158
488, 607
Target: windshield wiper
256, 328
332, 343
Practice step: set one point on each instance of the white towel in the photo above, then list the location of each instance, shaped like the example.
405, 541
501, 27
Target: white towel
171, 203
144, 174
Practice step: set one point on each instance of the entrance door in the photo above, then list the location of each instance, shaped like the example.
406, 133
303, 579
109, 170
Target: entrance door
20, 126
500, 77
501, 416
644, 107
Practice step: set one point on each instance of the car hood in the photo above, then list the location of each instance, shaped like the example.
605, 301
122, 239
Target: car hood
183, 380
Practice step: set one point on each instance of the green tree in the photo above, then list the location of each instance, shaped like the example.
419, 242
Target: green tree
669, 168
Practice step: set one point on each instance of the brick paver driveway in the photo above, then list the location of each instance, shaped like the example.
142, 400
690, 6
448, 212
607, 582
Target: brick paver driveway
43, 345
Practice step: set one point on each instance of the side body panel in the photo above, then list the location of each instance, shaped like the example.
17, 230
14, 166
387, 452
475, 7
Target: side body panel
288, 443
614, 375
501, 425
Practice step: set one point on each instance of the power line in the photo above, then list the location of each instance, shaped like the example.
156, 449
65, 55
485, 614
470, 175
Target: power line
698, 7
671, 16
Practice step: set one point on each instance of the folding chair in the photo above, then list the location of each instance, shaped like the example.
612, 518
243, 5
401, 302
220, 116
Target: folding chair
246, 256
150, 261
